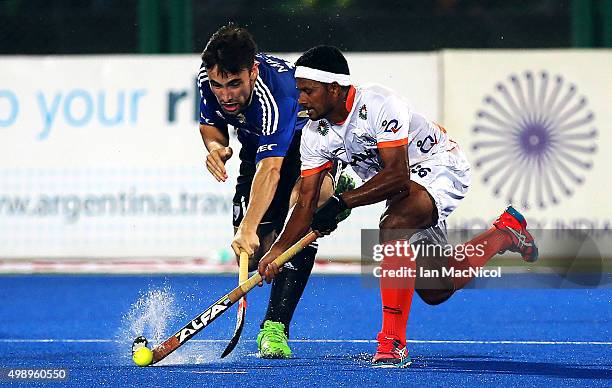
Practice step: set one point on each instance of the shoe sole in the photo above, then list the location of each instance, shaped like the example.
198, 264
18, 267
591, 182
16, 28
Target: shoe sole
521, 219
273, 356
405, 364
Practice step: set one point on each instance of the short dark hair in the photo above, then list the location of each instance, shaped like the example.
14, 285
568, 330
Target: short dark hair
326, 58
232, 48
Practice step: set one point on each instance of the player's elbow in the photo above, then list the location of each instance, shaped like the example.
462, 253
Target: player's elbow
404, 184
397, 178
400, 181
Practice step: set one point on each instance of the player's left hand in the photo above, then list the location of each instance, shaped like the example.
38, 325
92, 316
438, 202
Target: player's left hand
325, 219
245, 241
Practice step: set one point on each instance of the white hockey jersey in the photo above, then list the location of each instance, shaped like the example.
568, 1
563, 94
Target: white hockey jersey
378, 118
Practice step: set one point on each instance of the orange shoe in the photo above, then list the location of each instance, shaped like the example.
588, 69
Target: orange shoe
391, 353
513, 223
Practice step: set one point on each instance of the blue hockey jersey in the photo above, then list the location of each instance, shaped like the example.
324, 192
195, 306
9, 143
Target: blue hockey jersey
267, 126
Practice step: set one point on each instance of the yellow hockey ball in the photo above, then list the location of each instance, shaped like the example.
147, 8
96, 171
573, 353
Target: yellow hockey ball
143, 356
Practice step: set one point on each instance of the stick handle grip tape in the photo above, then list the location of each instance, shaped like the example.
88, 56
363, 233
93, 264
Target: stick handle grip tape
284, 257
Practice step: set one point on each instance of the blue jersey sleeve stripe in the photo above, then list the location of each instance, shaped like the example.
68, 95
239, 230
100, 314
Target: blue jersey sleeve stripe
202, 76
272, 120
274, 126
201, 81
265, 108
200, 87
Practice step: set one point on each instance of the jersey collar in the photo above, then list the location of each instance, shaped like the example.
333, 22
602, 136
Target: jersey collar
350, 99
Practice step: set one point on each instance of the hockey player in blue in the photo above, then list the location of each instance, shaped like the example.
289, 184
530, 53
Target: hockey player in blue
255, 94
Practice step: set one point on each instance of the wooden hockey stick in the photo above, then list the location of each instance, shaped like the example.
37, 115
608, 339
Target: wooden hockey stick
243, 275
204, 319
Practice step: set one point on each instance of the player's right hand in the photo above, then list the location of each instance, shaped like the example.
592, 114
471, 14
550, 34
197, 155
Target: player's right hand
215, 162
267, 268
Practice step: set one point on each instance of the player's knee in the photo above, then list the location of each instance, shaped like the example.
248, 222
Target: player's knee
400, 222
392, 222
434, 297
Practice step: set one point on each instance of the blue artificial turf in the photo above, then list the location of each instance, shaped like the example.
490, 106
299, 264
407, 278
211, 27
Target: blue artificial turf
478, 337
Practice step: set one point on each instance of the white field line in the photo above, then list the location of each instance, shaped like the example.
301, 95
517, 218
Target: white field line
466, 342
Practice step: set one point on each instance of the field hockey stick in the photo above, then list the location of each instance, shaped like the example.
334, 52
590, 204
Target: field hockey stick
243, 275
204, 319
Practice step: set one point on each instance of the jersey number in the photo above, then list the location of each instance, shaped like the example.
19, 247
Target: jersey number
420, 171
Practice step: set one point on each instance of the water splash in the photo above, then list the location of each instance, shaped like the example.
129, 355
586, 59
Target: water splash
155, 314
150, 316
